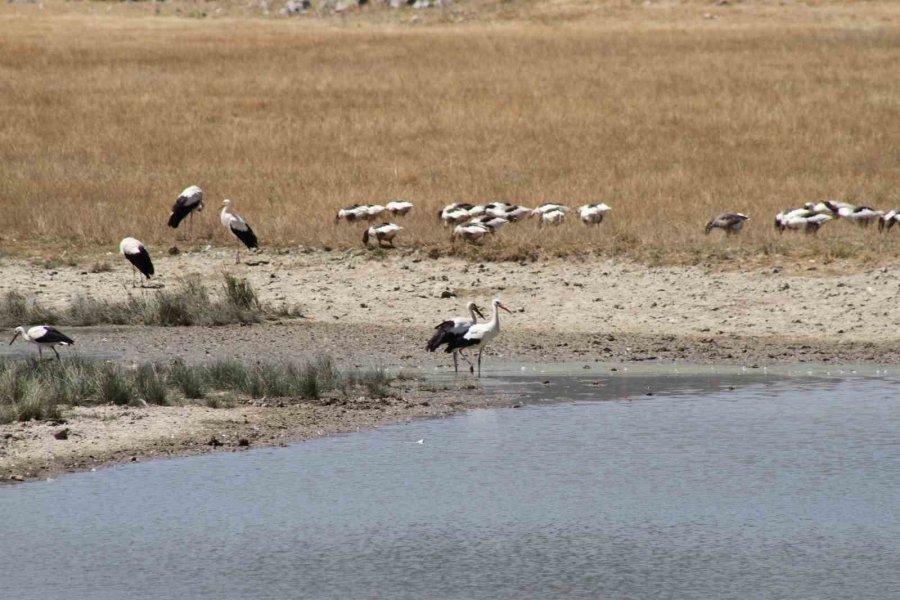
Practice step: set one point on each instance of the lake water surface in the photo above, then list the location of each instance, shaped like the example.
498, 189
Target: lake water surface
778, 488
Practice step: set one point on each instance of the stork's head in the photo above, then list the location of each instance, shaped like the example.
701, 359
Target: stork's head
497, 304
473, 308
16, 333
226, 203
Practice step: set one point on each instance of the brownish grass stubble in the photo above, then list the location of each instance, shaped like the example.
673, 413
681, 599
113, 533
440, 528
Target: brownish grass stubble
106, 120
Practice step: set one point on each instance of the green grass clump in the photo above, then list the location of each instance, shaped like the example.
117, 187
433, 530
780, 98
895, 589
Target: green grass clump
188, 380
113, 386
35, 389
150, 385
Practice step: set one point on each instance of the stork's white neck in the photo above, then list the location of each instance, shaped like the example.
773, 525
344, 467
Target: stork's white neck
495, 320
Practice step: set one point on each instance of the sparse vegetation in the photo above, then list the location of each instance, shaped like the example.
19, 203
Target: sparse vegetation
35, 390
667, 116
101, 266
188, 304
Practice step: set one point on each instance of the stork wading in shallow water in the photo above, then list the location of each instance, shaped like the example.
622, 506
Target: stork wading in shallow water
478, 335
454, 327
383, 233
190, 200
41, 336
137, 255
239, 228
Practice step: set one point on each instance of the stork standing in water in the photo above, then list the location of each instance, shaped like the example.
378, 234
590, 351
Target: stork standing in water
190, 200
451, 328
239, 228
383, 233
43, 335
480, 334
137, 255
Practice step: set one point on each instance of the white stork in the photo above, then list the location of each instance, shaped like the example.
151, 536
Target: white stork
548, 207
861, 215
373, 211
492, 223
352, 213
41, 336
819, 208
731, 223
889, 219
137, 255
592, 214
454, 214
471, 232
479, 334
551, 217
451, 328
188, 201
238, 226
515, 213
801, 218
497, 209
383, 233
398, 208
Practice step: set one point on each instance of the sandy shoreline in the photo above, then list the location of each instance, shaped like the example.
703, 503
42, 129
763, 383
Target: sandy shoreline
89, 438
366, 312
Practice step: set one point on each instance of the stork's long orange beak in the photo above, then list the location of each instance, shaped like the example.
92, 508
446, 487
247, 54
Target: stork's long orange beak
478, 311
503, 306
14, 338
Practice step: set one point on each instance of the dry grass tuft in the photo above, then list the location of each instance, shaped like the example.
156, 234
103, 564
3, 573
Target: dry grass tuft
668, 117
188, 304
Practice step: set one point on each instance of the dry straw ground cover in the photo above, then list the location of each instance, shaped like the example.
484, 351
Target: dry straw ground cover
665, 115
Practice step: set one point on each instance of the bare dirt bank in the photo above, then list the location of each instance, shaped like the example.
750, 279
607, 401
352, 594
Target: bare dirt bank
396, 296
367, 311
93, 437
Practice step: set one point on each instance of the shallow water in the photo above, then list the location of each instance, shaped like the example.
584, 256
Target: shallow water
779, 488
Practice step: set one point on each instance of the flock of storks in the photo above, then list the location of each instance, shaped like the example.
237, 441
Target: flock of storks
472, 223
455, 334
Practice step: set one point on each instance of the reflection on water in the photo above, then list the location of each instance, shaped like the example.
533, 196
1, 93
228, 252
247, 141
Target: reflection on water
775, 489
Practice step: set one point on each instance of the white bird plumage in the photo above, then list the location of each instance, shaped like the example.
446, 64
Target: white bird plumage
398, 208
471, 232
190, 200
386, 232
239, 227
135, 252
479, 334
592, 214
43, 336
453, 327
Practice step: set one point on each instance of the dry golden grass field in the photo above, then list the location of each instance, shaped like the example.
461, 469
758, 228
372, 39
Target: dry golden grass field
669, 112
